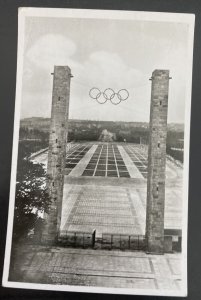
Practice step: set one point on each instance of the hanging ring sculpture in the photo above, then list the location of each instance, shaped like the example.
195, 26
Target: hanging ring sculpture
109, 95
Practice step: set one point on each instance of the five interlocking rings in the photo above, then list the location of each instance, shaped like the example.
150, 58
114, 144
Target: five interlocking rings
108, 94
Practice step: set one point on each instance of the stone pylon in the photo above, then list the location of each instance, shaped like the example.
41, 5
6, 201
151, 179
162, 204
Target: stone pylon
157, 162
57, 151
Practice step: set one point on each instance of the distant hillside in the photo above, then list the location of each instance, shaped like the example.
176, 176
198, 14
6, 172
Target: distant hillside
44, 123
176, 127
41, 124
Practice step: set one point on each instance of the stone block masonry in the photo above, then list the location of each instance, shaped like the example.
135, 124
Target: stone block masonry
157, 162
57, 151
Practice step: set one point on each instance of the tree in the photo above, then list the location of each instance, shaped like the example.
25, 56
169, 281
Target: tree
31, 198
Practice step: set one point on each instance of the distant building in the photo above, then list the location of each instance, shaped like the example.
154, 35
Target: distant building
107, 136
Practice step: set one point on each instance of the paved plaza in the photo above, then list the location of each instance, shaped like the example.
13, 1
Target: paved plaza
105, 189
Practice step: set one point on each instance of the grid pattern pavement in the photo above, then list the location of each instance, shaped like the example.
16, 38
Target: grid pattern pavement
106, 162
138, 154
74, 155
132, 169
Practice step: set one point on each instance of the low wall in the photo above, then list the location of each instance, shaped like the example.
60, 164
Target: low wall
122, 242
33, 155
77, 239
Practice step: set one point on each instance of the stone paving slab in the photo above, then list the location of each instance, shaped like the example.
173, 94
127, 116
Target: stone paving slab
103, 268
103, 281
99, 204
105, 209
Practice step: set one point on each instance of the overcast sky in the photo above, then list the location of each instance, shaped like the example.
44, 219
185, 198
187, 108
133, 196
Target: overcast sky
103, 53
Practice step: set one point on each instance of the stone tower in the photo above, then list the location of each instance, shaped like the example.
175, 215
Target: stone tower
157, 162
57, 150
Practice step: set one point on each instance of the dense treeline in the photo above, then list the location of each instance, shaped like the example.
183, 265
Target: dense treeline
31, 200
32, 134
28, 147
31, 195
31, 140
93, 133
175, 138
175, 144
176, 154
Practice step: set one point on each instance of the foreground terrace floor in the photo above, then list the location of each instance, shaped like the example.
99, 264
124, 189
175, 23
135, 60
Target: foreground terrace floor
99, 268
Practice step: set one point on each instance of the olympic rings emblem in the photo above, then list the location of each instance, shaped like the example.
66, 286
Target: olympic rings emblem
108, 95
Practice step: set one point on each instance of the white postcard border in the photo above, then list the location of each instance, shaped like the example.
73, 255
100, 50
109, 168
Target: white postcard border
101, 14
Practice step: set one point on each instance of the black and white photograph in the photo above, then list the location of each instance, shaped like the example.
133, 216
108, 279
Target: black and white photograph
100, 161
